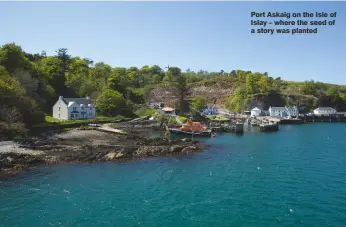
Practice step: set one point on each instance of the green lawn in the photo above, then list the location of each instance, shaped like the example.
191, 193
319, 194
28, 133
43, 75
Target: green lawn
50, 121
182, 119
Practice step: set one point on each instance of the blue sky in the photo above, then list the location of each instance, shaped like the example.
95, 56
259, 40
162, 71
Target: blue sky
212, 36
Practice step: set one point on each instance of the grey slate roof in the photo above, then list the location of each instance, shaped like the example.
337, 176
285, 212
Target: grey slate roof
79, 101
277, 108
325, 108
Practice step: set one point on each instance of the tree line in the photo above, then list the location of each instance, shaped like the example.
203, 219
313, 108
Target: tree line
31, 83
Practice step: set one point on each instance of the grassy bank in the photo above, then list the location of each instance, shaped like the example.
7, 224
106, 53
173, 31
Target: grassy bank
51, 122
182, 119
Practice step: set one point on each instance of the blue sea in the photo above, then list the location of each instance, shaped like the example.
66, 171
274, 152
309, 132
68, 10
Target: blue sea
293, 177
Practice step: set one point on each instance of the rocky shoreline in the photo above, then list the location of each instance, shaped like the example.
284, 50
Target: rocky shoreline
87, 146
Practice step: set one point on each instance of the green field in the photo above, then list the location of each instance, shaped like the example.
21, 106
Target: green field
50, 121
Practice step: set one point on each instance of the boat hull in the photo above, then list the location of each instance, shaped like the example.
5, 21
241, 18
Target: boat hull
178, 131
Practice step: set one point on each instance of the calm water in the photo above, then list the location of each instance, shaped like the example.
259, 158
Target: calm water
295, 177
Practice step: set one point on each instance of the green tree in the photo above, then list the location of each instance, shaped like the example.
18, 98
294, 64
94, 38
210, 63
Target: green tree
133, 76
156, 70
99, 75
12, 57
198, 104
52, 68
178, 80
308, 88
12, 94
264, 84
77, 78
118, 80
64, 57
174, 73
238, 101
110, 103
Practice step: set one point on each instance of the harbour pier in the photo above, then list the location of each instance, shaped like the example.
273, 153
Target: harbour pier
339, 117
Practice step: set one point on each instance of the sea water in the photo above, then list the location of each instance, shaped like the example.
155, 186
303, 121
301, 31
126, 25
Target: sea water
293, 177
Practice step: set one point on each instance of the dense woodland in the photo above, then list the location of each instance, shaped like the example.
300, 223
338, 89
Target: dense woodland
31, 82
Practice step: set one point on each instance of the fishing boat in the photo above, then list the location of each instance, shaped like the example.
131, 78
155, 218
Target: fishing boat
191, 128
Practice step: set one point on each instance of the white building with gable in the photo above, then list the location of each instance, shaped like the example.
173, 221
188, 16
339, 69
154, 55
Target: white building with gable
287, 111
74, 109
256, 112
324, 111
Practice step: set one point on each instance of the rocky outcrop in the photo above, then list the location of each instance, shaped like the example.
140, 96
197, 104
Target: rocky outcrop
264, 101
213, 91
13, 163
139, 125
88, 146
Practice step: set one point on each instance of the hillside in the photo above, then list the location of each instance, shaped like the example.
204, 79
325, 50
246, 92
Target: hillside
30, 84
220, 90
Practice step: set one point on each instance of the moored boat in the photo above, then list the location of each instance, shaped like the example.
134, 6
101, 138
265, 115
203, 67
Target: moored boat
191, 128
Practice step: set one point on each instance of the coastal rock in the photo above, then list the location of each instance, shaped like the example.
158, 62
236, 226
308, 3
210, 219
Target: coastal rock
176, 148
188, 149
150, 150
111, 155
88, 146
12, 163
119, 155
9, 159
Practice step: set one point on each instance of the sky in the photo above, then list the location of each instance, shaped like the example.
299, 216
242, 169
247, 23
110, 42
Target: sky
212, 36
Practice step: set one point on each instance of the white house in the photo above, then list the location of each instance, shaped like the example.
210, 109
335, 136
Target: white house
210, 110
324, 111
256, 112
287, 111
74, 109
292, 111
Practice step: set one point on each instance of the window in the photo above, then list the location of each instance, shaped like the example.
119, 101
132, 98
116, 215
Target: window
74, 108
71, 115
89, 108
90, 114
59, 108
82, 108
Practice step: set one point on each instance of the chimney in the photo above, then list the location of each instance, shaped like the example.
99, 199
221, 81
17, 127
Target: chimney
60, 97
